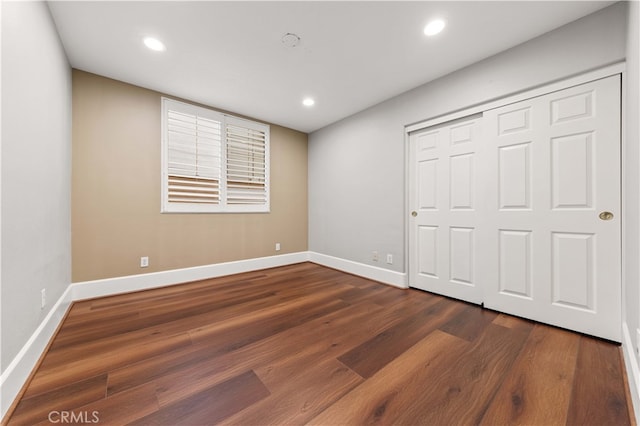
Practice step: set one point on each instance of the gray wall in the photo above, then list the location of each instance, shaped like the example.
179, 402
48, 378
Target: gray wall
357, 166
36, 171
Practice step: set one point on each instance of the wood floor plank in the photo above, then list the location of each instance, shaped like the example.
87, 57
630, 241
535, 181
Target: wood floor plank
256, 329
470, 323
125, 407
36, 409
99, 363
538, 390
513, 323
461, 391
79, 351
453, 389
389, 296
143, 319
218, 305
211, 405
319, 336
296, 401
305, 343
214, 322
598, 396
381, 398
121, 409
325, 337
392, 342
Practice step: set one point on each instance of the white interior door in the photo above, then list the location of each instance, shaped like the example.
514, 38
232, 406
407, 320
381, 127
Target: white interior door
519, 209
553, 252
444, 202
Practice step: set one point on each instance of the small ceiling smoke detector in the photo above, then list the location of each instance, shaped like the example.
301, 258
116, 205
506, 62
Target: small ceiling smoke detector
290, 40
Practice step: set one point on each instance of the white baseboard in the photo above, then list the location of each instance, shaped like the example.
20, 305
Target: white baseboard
17, 373
396, 279
633, 369
127, 284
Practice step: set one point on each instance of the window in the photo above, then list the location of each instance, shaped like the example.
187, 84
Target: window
212, 162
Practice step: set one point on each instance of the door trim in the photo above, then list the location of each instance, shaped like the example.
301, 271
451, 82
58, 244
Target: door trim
544, 89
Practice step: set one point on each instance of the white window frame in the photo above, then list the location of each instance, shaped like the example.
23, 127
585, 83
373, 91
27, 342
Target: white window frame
225, 120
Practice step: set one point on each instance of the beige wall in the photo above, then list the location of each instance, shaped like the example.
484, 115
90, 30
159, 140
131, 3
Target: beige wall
116, 215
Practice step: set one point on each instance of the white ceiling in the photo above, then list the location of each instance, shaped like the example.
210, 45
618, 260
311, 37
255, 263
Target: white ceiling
352, 55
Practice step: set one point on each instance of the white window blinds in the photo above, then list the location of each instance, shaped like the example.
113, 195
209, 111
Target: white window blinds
213, 162
193, 163
246, 165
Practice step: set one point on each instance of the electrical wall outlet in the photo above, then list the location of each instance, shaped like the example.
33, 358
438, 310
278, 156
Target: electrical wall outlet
277, 246
144, 261
375, 256
43, 298
390, 259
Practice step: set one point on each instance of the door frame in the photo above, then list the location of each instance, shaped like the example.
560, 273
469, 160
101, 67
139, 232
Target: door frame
618, 68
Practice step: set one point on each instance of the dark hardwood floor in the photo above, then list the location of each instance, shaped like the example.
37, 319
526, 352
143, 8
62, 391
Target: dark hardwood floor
307, 344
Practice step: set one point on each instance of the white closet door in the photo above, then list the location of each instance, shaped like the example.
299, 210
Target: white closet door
552, 253
444, 197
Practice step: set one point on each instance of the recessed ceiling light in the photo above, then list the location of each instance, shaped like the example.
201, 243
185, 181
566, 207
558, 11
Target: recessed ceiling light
154, 44
434, 27
308, 102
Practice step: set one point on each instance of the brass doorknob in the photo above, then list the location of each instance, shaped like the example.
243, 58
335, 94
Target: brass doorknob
606, 216
414, 213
